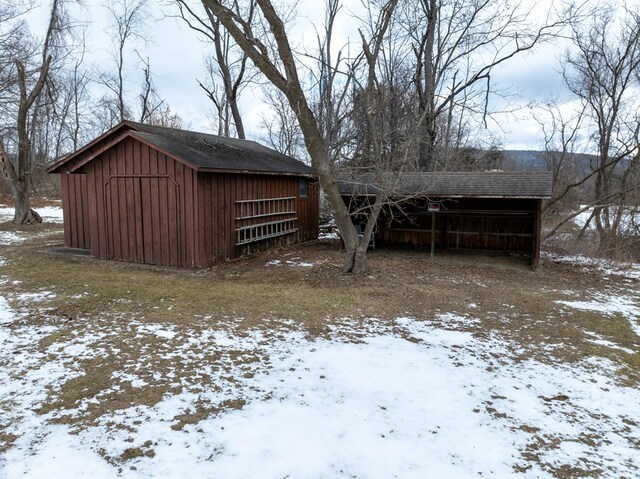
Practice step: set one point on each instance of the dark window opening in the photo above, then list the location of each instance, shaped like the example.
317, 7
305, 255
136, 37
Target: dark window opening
303, 188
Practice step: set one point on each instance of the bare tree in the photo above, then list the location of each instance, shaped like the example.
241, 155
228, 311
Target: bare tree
128, 18
67, 107
281, 125
563, 138
228, 69
601, 72
153, 109
18, 172
24, 76
457, 44
269, 49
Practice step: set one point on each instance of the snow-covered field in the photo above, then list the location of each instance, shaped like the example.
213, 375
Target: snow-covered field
408, 398
629, 221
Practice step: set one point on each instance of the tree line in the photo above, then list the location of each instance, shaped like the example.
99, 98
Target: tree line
413, 90
54, 98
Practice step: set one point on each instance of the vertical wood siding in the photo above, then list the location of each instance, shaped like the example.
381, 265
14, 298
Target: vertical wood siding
508, 225
217, 212
133, 203
75, 209
141, 205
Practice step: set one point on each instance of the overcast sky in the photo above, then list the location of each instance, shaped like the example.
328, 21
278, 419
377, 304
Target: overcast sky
177, 57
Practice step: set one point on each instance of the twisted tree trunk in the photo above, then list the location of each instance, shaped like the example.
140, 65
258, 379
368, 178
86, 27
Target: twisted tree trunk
19, 174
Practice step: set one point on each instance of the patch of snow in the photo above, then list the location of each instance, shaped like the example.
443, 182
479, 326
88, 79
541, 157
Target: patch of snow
6, 214
384, 405
302, 264
609, 344
610, 304
329, 236
296, 262
9, 237
57, 457
6, 313
135, 381
79, 295
35, 297
455, 320
80, 347
430, 334
49, 214
629, 218
603, 266
165, 332
600, 341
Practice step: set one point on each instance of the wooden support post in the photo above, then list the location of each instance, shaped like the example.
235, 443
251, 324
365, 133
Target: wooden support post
537, 239
443, 232
433, 234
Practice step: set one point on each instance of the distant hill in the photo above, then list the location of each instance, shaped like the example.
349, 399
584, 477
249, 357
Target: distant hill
532, 160
525, 160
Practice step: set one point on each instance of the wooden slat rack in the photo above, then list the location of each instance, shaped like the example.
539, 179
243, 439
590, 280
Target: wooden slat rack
278, 211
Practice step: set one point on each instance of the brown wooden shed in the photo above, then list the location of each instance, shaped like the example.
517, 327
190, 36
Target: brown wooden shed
165, 196
484, 211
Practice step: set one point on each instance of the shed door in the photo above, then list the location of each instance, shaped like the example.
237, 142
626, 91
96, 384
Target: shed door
142, 219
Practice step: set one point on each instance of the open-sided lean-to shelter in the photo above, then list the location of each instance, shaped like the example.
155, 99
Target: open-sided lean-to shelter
166, 196
483, 211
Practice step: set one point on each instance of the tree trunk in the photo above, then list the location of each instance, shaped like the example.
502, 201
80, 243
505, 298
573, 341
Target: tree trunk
427, 146
24, 214
427, 88
288, 82
356, 261
360, 260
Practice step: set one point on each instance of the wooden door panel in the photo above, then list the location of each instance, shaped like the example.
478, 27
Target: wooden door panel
142, 218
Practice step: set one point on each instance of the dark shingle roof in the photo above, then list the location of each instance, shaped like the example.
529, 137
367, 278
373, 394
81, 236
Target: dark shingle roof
216, 152
476, 184
199, 150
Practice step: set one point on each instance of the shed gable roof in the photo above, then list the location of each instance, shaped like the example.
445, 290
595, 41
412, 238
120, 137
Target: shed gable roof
473, 184
200, 151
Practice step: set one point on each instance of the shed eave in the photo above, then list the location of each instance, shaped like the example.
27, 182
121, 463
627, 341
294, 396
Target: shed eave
520, 197
440, 195
57, 166
256, 172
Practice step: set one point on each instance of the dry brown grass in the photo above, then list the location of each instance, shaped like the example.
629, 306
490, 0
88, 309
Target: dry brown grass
509, 297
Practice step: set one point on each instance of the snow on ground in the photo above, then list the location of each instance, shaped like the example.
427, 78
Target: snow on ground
624, 302
49, 214
328, 236
630, 271
290, 261
374, 400
410, 398
9, 237
629, 218
16, 237
610, 304
600, 341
